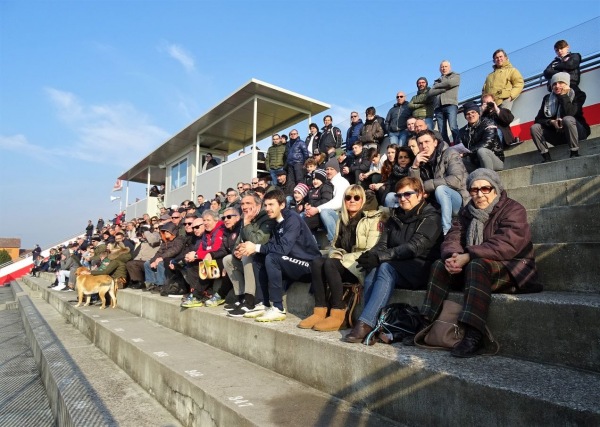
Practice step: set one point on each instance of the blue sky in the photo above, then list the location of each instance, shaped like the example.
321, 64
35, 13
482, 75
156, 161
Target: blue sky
89, 87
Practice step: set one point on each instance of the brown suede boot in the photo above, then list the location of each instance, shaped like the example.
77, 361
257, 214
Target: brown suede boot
319, 314
332, 323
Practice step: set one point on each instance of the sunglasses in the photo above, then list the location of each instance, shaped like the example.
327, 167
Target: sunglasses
195, 227
224, 217
356, 197
405, 195
399, 97
486, 189
188, 223
255, 183
175, 217
353, 116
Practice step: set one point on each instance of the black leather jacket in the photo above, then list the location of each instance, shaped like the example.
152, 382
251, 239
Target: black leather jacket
484, 134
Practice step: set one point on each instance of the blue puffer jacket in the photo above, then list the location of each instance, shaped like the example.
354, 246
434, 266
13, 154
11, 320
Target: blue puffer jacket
297, 152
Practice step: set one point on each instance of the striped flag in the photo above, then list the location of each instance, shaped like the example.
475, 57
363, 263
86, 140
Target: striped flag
118, 185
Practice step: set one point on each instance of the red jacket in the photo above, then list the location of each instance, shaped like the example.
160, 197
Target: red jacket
211, 241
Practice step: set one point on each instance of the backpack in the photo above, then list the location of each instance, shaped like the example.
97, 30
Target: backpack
394, 323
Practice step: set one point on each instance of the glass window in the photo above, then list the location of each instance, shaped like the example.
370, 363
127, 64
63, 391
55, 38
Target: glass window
179, 174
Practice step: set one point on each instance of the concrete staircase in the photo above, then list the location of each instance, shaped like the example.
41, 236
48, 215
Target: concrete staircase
208, 369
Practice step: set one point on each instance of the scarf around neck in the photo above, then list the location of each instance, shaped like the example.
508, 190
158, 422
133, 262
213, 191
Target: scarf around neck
552, 107
480, 217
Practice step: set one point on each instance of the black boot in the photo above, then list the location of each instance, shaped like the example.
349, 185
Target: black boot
470, 345
574, 154
546, 157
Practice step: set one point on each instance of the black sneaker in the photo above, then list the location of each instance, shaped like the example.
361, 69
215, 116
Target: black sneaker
240, 310
229, 307
178, 293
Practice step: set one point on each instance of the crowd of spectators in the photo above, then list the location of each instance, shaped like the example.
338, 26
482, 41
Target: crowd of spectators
410, 201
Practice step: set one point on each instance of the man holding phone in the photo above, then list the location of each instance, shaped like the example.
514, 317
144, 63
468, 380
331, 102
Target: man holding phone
560, 119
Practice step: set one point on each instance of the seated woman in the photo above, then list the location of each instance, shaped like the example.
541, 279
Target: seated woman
381, 188
408, 245
404, 159
487, 250
357, 230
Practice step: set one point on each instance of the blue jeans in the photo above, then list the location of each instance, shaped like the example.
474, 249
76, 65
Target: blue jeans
329, 218
446, 115
399, 137
450, 202
154, 276
273, 173
378, 287
391, 201
429, 122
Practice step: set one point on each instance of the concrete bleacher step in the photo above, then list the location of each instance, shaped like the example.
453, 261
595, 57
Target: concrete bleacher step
398, 382
201, 384
559, 170
580, 223
571, 192
84, 387
526, 153
569, 267
546, 327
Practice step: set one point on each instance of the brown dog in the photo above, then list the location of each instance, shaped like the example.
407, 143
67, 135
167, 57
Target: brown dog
88, 284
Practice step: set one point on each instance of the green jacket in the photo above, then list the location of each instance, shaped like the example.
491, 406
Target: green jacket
420, 106
276, 156
259, 229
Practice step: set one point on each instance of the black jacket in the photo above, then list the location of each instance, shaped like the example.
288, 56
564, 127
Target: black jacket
568, 64
567, 107
484, 134
331, 137
413, 234
503, 118
292, 237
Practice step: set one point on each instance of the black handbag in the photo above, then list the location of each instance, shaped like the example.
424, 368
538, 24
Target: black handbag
395, 322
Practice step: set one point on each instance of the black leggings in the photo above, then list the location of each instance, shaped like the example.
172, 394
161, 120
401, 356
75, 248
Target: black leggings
330, 271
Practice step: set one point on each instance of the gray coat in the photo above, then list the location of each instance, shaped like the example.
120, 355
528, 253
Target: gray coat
447, 89
447, 169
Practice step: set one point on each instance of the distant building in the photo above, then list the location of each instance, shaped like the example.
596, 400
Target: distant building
12, 245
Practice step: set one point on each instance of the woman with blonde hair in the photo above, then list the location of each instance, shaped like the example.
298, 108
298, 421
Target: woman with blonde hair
357, 230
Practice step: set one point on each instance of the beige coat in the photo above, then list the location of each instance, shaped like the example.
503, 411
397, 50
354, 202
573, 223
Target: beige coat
367, 235
503, 83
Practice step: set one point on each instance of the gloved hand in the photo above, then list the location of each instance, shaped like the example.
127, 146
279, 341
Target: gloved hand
368, 261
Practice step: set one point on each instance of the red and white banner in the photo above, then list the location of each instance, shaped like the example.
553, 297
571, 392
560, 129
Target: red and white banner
118, 185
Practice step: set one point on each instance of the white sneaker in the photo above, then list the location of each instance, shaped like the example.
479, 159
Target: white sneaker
59, 287
271, 314
258, 310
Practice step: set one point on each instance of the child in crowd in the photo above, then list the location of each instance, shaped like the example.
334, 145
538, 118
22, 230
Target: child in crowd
310, 165
300, 192
320, 193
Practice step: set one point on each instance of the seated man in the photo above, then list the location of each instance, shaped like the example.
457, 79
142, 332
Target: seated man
503, 117
560, 119
170, 247
480, 137
286, 255
146, 248
355, 165
256, 228
286, 185
329, 211
443, 174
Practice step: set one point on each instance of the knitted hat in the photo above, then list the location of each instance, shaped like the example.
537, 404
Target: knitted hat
302, 189
470, 106
281, 172
486, 174
333, 163
320, 175
561, 77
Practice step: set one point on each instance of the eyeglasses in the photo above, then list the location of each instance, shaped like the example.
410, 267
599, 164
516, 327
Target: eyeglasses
405, 195
400, 96
188, 223
353, 116
255, 183
486, 189
224, 217
195, 227
403, 157
349, 197
240, 187
175, 217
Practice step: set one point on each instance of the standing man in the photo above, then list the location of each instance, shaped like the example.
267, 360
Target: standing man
353, 133
312, 140
202, 205
275, 160
505, 83
286, 256
420, 105
331, 137
565, 61
444, 94
209, 162
443, 174
560, 119
297, 155
395, 121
